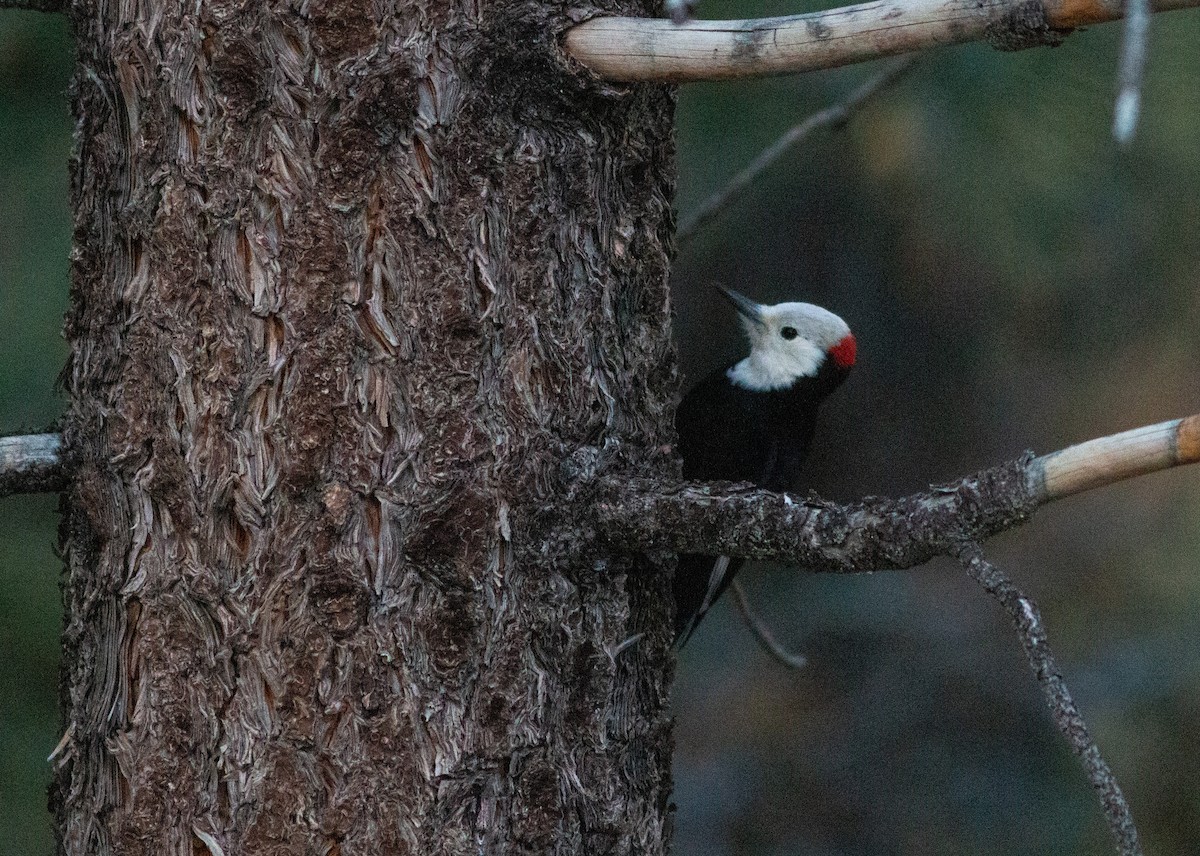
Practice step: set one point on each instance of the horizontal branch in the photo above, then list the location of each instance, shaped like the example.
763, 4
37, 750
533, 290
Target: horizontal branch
1101, 462
875, 534
655, 49
32, 463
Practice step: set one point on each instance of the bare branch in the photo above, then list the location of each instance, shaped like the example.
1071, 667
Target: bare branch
1101, 462
875, 534
1130, 69
762, 632
831, 117
36, 5
652, 49
32, 463
1027, 621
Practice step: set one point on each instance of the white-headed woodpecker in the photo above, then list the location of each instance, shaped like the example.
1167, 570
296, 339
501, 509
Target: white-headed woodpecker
753, 422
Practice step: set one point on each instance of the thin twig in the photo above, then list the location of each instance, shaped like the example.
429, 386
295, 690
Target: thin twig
653, 49
762, 631
1131, 67
1027, 621
831, 117
32, 463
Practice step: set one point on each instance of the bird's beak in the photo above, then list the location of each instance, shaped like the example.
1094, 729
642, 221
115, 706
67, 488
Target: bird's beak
746, 307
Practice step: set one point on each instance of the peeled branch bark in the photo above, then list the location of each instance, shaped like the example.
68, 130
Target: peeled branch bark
1106, 460
655, 49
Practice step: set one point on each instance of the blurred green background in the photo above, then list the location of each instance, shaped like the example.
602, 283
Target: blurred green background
35, 240
1015, 282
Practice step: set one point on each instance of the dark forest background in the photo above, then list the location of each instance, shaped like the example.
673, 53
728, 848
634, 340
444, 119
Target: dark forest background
1015, 281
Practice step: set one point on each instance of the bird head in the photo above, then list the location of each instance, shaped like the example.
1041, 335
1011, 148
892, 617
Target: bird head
789, 341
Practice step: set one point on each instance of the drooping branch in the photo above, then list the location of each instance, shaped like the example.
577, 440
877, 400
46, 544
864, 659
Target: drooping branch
1027, 621
875, 534
652, 49
32, 463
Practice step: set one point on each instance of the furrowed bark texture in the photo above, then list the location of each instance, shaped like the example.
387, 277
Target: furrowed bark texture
876, 534
351, 279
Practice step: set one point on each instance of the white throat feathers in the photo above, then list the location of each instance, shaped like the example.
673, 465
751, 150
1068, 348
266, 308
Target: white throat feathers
788, 341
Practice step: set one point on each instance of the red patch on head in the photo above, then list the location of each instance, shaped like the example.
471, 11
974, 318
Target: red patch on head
843, 352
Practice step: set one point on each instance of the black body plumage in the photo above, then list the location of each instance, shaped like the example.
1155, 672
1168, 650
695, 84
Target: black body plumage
730, 433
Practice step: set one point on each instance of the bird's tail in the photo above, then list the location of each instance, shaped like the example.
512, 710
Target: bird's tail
699, 581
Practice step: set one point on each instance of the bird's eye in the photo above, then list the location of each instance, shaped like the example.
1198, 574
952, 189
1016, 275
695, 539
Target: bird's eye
789, 333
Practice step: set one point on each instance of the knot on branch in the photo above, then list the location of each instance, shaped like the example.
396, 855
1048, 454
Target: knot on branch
1023, 26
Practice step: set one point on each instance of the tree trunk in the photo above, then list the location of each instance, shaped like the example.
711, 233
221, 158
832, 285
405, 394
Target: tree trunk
358, 287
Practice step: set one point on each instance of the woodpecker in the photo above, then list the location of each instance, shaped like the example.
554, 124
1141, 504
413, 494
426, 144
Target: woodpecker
753, 422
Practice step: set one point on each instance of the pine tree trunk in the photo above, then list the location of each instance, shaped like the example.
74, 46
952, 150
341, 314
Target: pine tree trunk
358, 287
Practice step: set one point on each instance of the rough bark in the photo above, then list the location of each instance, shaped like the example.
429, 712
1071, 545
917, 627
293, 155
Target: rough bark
351, 280
875, 534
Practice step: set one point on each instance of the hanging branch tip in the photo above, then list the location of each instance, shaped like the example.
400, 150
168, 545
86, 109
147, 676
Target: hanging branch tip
1027, 622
